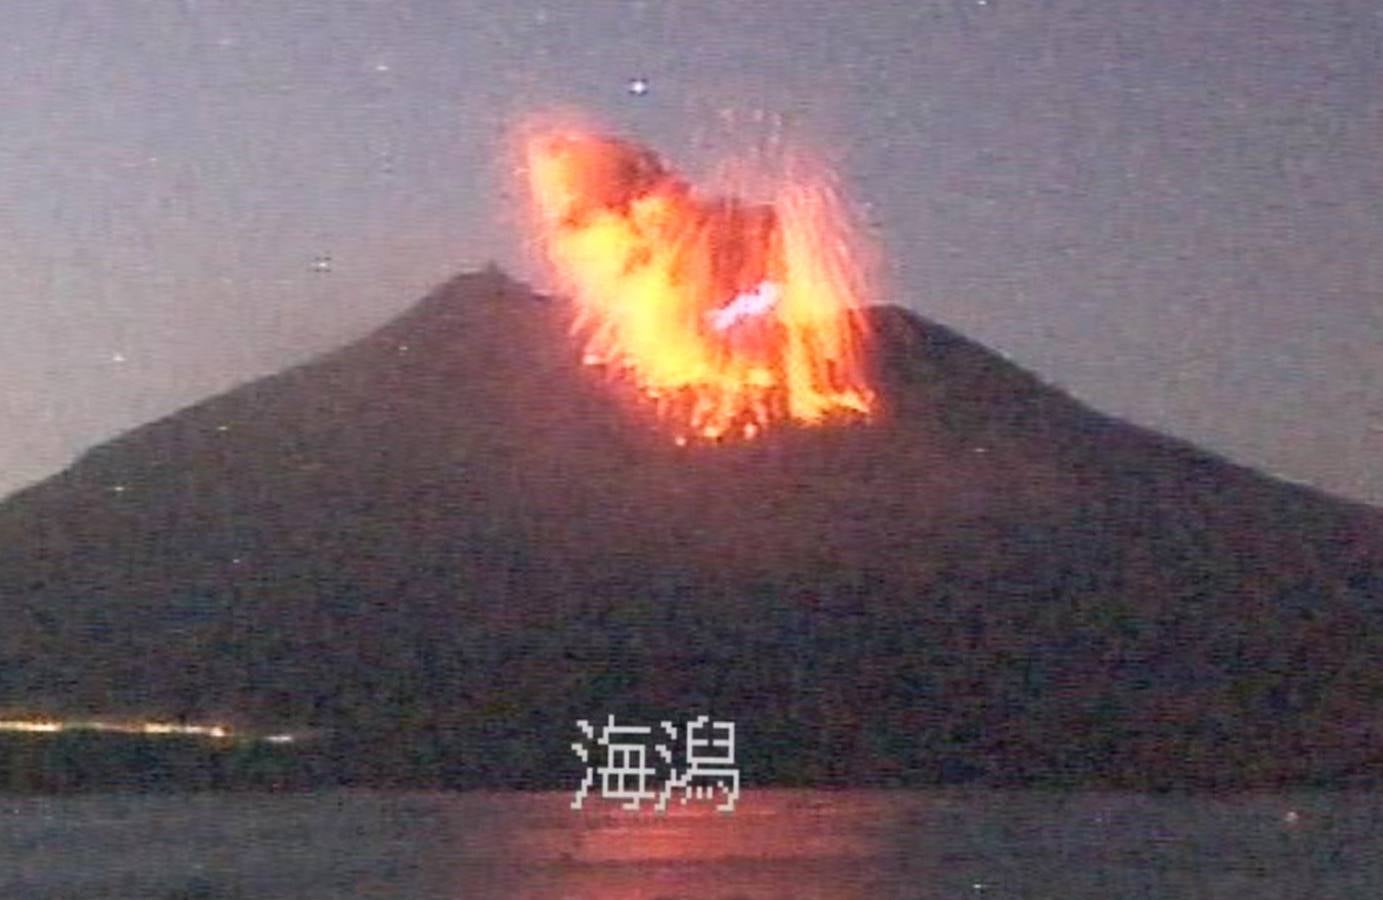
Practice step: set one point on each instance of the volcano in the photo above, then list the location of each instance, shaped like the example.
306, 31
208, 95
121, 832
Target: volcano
441, 545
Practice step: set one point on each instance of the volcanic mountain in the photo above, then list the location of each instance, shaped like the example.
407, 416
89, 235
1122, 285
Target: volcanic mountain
442, 545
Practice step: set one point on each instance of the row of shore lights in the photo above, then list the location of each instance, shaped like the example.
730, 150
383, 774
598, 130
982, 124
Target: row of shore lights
54, 726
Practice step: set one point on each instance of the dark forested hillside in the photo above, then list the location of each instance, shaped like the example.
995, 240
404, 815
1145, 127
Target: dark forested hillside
443, 544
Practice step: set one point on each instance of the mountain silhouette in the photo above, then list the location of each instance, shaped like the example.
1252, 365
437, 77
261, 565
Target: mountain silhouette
443, 544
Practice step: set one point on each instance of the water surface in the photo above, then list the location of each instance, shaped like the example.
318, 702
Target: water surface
777, 843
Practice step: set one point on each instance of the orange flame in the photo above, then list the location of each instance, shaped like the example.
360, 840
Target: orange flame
727, 316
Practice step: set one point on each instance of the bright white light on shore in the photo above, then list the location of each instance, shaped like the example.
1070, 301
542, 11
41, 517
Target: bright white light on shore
30, 726
53, 726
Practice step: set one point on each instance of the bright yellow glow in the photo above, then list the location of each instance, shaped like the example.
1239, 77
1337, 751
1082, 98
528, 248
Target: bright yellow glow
152, 728
32, 726
215, 731
726, 316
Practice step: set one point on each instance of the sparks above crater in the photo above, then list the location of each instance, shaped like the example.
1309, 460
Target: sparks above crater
726, 315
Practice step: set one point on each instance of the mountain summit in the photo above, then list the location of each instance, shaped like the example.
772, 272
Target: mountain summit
442, 545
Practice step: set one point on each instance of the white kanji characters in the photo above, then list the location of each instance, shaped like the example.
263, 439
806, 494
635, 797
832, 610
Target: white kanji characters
624, 761
624, 776
710, 766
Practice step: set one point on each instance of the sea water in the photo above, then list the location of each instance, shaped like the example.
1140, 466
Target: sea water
776, 843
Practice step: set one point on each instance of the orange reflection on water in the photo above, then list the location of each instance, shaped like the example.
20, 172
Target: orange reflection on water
776, 843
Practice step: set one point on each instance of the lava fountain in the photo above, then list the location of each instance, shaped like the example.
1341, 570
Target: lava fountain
726, 315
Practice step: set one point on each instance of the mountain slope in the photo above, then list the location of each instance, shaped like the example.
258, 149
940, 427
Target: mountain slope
446, 542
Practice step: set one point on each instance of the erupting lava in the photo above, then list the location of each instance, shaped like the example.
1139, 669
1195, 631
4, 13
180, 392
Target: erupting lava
728, 316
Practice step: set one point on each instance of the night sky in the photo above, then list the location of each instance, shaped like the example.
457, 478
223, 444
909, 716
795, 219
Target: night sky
1174, 210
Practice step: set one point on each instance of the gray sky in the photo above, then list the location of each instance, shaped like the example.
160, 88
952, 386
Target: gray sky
1171, 208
